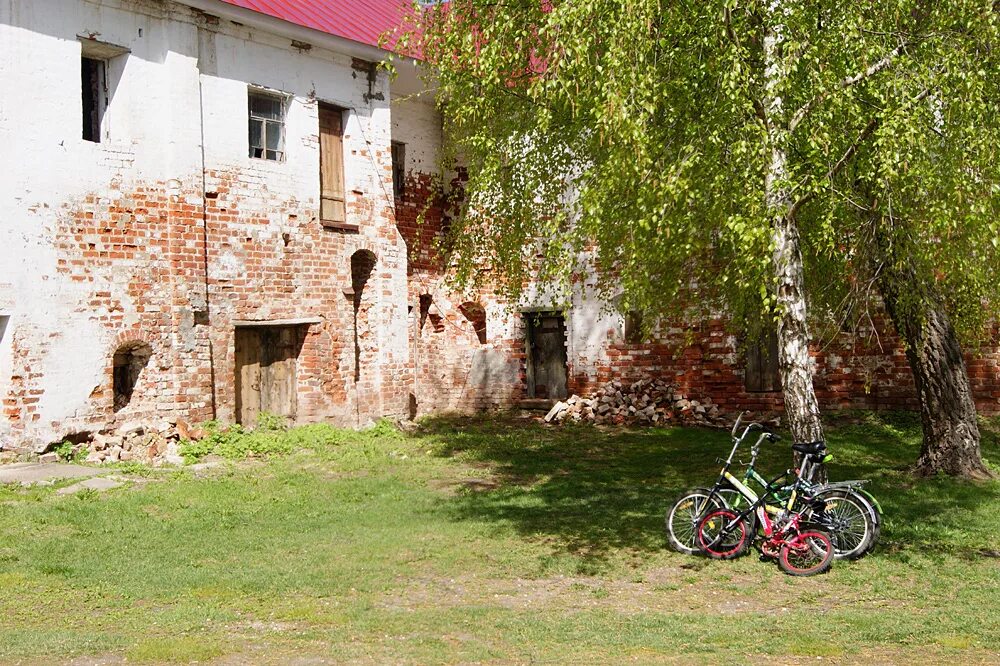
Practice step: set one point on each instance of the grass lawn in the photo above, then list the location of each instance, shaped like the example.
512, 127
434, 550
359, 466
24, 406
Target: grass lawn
488, 540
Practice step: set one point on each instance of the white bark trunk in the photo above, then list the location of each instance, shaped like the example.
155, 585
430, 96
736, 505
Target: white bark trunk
794, 362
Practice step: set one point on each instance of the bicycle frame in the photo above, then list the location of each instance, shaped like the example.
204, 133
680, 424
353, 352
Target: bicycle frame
805, 474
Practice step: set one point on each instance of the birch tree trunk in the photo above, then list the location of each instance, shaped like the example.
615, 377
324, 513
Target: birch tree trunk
794, 363
947, 409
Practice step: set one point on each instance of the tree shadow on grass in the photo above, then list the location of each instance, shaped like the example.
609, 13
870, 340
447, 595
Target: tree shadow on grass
596, 492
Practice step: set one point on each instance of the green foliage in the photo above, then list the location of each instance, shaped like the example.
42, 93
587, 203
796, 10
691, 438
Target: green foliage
134, 467
64, 451
383, 429
645, 132
272, 437
266, 421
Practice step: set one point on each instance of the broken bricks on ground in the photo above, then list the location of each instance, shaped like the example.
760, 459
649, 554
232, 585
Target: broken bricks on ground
644, 402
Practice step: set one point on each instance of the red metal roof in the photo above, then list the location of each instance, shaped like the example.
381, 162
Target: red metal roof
361, 21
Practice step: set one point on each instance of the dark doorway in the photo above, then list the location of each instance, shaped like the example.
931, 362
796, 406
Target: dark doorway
546, 355
265, 372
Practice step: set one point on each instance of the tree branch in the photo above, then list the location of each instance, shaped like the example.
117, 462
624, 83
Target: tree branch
727, 19
866, 73
863, 136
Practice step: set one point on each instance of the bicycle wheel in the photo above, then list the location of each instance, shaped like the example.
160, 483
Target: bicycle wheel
808, 554
850, 521
683, 516
866, 496
723, 535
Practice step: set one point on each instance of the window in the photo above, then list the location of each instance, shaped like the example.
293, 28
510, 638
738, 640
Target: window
633, 327
332, 208
101, 68
4, 320
92, 75
398, 168
267, 126
476, 314
762, 374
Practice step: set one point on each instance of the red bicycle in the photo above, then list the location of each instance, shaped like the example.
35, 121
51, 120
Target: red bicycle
801, 549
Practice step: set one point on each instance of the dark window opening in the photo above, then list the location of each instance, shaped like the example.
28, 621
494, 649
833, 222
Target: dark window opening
633, 327
267, 126
476, 314
398, 169
425, 308
129, 362
4, 320
362, 265
762, 373
92, 74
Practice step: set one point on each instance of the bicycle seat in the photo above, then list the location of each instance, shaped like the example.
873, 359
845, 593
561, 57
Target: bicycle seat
809, 447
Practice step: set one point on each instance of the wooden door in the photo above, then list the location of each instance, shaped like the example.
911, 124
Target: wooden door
247, 375
546, 348
278, 366
265, 372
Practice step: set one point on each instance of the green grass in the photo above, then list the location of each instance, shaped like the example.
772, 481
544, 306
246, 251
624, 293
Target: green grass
487, 540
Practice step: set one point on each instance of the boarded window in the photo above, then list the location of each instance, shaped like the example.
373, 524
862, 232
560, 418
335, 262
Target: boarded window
398, 168
92, 75
267, 125
762, 373
332, 208
129, 362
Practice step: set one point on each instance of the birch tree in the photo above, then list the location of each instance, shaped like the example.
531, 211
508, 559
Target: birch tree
704, 143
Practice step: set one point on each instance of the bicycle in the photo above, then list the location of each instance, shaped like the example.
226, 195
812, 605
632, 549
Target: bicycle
851, 519
852, 516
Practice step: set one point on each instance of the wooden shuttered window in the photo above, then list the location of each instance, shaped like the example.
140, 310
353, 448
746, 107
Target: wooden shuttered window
762, 373
332, 208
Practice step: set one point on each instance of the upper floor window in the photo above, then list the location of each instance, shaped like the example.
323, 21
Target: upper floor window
332, 207
92, 74
267, 125
398, 168
101, 68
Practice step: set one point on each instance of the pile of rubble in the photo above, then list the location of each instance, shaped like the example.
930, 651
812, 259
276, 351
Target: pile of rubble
155, 445
644, 402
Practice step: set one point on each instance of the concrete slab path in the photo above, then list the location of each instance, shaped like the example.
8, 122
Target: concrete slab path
99, 484
30, 473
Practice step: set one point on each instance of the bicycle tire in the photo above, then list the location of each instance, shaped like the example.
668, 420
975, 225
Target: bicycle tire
686, 517
818, 555
851, 522
720, 543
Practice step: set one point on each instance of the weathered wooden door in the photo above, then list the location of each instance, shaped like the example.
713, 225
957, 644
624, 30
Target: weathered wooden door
265, 372
546, 350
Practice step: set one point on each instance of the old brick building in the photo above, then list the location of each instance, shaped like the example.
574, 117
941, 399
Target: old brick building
214, 208
199, 220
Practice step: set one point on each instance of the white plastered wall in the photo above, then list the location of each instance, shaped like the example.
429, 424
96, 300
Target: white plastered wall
151, 133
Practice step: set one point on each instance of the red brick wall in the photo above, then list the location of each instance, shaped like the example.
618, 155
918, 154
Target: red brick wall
453, 369
853, 371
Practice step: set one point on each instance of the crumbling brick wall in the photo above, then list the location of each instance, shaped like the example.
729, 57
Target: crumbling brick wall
107, 241
854, 370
